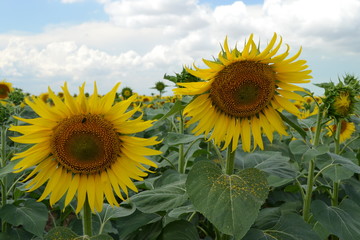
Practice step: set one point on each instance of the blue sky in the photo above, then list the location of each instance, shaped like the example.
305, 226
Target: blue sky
47, 42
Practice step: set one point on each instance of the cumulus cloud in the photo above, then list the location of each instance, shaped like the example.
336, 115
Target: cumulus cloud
144, 39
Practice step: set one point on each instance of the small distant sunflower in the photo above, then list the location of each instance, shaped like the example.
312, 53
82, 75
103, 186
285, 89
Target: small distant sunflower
347, 129
126, 92
82, 146
44, 97
242, 91
5, 89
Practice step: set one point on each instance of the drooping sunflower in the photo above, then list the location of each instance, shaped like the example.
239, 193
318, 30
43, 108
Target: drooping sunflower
242, 91
84, 147
347, 129
5, 89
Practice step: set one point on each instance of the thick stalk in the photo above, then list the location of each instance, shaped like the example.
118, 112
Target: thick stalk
230, 160
336, 184
4, 180
181, 159
86, 219
311, 169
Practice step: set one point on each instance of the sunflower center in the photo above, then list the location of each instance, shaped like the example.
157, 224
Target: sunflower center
243, 88
85, 143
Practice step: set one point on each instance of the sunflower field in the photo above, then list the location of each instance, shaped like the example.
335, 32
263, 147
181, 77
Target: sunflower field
239, 151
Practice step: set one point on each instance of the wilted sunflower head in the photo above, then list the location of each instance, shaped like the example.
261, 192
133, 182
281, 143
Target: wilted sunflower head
242, 91
341, 99
86, 145
5, 89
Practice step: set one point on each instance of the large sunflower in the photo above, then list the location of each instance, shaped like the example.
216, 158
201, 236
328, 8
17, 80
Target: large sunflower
242, 91
82, 147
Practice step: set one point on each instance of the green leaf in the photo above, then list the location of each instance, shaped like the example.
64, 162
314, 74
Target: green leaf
60, 233
231, 203
294, 125
179, 230
352, 189
289, 227
298, 147
314, 152
176, 212
9, 168
337, 173
270, 162
177, 107
101, 237
138, 226
345, 162
16, 234
169, 176
161, 199
342, 221
177, 138
110, 212
30, 214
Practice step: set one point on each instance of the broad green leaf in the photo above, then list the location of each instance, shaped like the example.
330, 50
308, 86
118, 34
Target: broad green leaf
352, 189
298, 147
179, 230
161, 199
178, 106
30, 214
16, 234
177, 138
9, 168
110, 212
345, 162
314, 152
169, 176
60, 233
231, 203
138, 224
101, 237
342, 221
176, 212
337, 173
270, 162
290, 226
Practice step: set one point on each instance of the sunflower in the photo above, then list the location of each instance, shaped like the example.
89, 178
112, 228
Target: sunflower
5, 89
84, 144
126, 92
242, 92
342, 104
347, 129
44, 97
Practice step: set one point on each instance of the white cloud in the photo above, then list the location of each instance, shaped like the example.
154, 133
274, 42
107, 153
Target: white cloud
146, 39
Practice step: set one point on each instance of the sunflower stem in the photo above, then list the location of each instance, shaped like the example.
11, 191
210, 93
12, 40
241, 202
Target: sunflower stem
4, 180
181, 160
311, 169
230, 160
335, 192
86, 219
